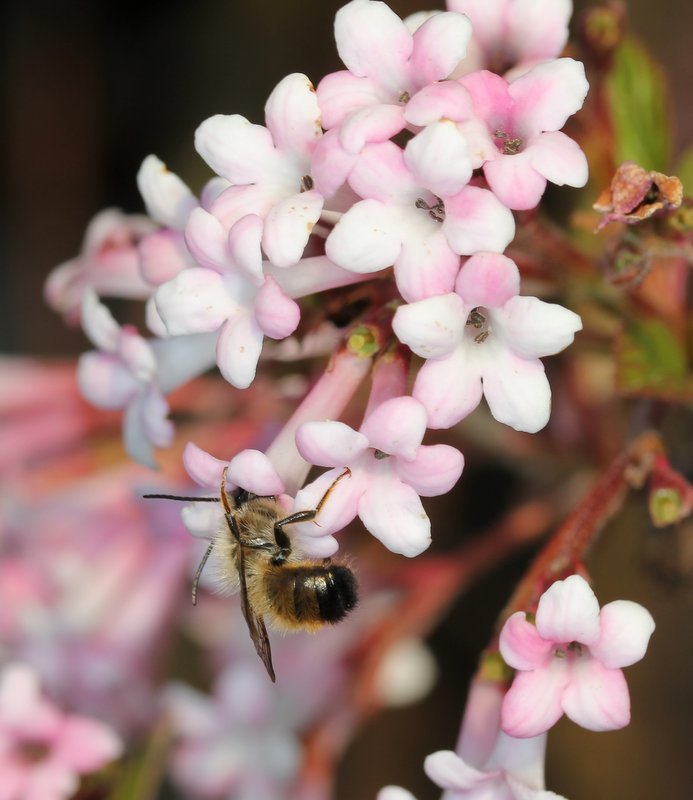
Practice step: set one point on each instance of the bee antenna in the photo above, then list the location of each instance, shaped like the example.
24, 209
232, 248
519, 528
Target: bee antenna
179, 497
196, 579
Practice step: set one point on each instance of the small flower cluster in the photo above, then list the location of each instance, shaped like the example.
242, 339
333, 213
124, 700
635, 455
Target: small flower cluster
324, 195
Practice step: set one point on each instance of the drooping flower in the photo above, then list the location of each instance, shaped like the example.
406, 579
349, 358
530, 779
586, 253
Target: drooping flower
570, 660
389, 470
43, 750
484, 338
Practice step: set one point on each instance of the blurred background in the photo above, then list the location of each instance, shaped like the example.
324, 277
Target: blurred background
89, 89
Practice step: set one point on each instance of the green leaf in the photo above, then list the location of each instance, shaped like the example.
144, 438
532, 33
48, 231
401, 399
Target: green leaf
639, 103
651, 361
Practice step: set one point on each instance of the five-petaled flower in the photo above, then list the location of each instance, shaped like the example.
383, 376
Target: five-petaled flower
569, 661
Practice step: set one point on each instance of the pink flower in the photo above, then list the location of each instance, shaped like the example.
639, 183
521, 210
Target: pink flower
42, 749
404, 223
484, 338
513, 32
386, 65
390, 469
522, 147
108, 263
570, 660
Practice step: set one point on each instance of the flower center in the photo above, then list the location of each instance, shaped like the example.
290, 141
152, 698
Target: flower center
507, 144
435, 211
478, 319
574, 648
31, 751
379, 455
306, 183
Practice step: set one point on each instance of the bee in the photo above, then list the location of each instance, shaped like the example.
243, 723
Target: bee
275, 581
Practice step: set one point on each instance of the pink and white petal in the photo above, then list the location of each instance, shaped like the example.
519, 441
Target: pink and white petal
491, 98
207, 240
394, 793
394, 514
568, 611
514, 181
236, 149
254, 472
195, 301
137, 354
245, 249
153, 319
85, 745
331, 165
449, 388
50, 780
488, 279
522, 758
425, 266
625, 630
340, 93
98, 322
440, 100
275, 313
135, 440
179, 359
238, 349
288, 226
476, 220
396, 427
341, 507
104, 382
315, 546
519, 790
433, 327
380, 173
486, 17
373, 41
438, 158
532, 705
547, 95
21, 704
452, 773
433, 471
292, 116
559, 159
330, 443
376, 123
162, 255
166, 198
202, 519
521, 645
211, 190
203, 468
516, 389
597, 698
366, 238
439, 45
237, 202
538, 29
532, 328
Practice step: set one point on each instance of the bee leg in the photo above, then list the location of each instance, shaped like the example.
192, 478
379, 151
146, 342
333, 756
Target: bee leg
311, 513
196, 579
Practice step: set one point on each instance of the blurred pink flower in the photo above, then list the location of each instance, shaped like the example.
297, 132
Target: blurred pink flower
42, 749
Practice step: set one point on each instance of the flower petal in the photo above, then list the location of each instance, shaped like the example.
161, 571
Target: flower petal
425, 266
167, 199
276, 314
438, 157
444, 99
329, 443
433, 471
340, 93
488, 279
85, 745
625, 630
207, 240
293, 117
396, 427
202, 467
532, 328
568, 611
514, 181
98, 322
244, 241
254, 472
238, 349
450, 388
439, 45
195, 301
559, 159
394, 793
532, 705
597, 698
433, 327
364, 240
476, 220
202, 519
104, 382
288, 226
376, 123
450, 772
340, 508
521, 645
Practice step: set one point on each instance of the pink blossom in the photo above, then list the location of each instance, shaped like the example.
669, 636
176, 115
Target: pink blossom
404, 223
484, 338
108, 263
132, 373
386, 65
269, 168
522, 147
43, 750
569, 661
389, 470
506, 33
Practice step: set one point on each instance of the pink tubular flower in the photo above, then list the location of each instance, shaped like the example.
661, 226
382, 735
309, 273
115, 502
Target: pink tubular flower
390, 470
484, 338
108, 264
42, 750
404, 223
269, 168
513, 32
522, 147
570, 660
386, 65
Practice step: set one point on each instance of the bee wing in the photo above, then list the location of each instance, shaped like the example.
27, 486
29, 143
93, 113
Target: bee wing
256, 625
